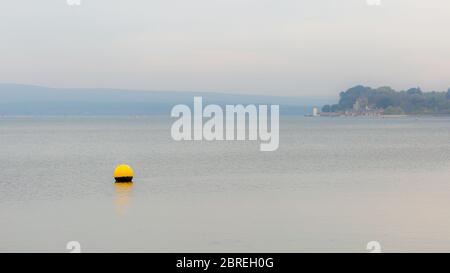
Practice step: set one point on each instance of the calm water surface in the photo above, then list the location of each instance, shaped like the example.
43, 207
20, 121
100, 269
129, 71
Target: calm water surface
333, 185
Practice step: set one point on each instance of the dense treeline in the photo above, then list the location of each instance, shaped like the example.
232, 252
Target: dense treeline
412, 101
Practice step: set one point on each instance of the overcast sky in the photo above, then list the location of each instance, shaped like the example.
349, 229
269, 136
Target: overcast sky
271, 47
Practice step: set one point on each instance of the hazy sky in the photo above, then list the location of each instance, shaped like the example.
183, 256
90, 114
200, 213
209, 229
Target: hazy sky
273, 47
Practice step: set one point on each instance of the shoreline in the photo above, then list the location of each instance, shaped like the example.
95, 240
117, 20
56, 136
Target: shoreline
383, 116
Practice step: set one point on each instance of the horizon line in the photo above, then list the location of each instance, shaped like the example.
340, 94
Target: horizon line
230, 93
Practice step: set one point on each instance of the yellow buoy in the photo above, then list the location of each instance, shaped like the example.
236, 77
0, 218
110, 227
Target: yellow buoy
123, 174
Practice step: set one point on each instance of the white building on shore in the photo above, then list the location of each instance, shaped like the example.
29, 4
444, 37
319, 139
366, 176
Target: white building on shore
315, 111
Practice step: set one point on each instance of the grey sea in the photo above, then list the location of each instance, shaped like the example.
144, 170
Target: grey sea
334, 185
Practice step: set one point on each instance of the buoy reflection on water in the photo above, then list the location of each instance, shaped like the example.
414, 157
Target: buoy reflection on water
123, 196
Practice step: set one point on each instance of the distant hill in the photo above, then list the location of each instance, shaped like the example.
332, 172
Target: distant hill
413, 101
16, 99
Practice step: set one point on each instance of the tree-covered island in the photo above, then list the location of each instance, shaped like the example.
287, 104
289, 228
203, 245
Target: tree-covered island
366, 101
